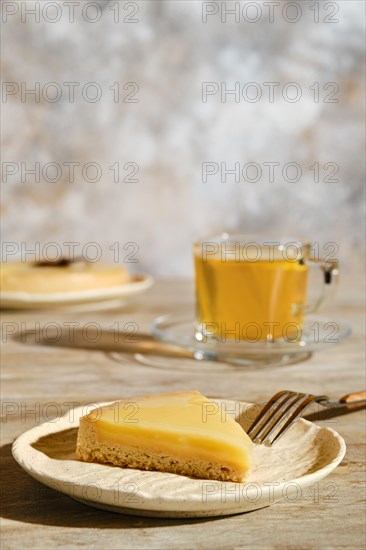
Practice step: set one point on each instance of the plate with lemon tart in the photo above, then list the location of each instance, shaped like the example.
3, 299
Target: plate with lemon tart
68, 284
175, 455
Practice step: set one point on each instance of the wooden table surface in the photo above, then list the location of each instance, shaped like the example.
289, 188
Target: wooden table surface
35, 377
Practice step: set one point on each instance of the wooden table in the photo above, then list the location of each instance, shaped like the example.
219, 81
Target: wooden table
37, 381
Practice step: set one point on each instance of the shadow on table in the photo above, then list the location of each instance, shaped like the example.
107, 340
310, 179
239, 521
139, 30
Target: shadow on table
147, 350
25, 499
96, 338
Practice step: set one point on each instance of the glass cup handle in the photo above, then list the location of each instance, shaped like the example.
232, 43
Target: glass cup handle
330, 269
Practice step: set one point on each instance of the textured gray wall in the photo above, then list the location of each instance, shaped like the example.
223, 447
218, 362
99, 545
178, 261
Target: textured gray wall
169, 132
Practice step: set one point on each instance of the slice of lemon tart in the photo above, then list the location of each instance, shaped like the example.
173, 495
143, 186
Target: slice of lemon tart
184, 433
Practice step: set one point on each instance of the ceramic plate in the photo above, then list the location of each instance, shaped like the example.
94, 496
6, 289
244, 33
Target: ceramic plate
303, 456
98, 298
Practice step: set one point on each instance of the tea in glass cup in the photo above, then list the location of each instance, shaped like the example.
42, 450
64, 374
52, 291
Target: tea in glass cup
251, 289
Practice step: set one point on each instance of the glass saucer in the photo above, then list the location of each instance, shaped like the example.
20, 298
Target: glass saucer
318, 333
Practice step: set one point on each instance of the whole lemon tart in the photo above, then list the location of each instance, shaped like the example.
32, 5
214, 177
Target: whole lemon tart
60, 276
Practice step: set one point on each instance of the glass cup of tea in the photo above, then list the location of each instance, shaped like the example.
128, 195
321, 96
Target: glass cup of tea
256, 288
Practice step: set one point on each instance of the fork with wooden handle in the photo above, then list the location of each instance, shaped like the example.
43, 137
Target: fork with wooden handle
285, 407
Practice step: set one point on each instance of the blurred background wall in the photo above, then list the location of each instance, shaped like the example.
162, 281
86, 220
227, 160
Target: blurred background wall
158, 112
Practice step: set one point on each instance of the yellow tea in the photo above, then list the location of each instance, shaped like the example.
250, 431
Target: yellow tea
249, 299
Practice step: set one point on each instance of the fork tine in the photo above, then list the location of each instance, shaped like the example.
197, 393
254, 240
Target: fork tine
309, 399
273, 416
269, 404
278, 399
295, 398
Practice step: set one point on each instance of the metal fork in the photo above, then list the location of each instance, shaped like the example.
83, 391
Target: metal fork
281, 411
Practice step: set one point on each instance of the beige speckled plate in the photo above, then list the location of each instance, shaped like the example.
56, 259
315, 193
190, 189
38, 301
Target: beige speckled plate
303, 456
100, 298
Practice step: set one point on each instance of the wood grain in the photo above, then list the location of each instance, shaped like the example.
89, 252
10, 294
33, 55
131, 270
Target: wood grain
41, 380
